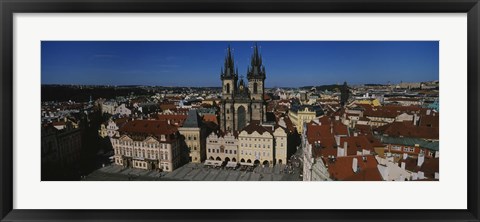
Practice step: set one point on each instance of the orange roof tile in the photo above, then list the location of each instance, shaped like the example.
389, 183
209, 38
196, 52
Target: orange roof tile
210, 118
341, 168
144, 128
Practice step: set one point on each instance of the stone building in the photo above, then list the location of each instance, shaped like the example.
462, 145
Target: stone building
194, 134
255, 144
300, 114
222, 147
148, 144
242, 102
61, 151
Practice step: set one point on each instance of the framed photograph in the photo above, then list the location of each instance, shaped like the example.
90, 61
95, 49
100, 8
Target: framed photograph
252, 111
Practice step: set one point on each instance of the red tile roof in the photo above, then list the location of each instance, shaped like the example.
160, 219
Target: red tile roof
363, 129
429, 167
176, 119
289, 124
429, 120
407, 129
169, 106
356, 143
322, 140
341, 168
339, 128
210, 118
255, 126
145, 128
390, 111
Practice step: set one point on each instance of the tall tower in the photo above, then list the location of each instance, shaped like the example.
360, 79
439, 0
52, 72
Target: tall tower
256, 78
229, 77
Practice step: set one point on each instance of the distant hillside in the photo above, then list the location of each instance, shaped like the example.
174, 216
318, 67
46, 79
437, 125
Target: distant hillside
61, 93
331, 88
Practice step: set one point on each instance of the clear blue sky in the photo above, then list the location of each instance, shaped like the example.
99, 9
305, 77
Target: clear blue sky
198, 63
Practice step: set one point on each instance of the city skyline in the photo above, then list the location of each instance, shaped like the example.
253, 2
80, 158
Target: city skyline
198, 63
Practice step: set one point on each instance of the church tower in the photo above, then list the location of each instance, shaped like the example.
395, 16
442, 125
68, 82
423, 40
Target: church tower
256, 78
229, 77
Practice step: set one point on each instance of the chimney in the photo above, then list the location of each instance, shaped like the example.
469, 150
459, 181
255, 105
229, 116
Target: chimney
421, 159
355, 165
340, 152
355, 134
428, 112
403, 165
415, 119
405, 156
421, 175
345, 147
414, 176
337, 118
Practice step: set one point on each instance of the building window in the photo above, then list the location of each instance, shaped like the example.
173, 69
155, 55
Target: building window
397, 148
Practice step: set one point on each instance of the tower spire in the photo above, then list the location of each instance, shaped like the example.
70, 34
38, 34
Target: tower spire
256, 69
228, 70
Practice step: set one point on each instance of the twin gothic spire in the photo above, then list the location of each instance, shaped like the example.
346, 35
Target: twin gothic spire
255, 70
228, 70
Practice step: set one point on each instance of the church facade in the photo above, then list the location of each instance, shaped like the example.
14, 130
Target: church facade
242, 102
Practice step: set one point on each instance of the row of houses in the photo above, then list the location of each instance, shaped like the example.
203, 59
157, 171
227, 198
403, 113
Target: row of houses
397, 150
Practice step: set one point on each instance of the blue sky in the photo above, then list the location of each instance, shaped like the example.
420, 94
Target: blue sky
198, 63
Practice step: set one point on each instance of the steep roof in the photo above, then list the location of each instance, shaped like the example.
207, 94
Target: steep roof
356, 143
322, 140
210, 118
178, 119
429, 167
339, 128
144, 128
254, 126
193, 119
407, 129
341, 168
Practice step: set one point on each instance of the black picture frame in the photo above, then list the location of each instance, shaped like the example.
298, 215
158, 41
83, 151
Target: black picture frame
9, 7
